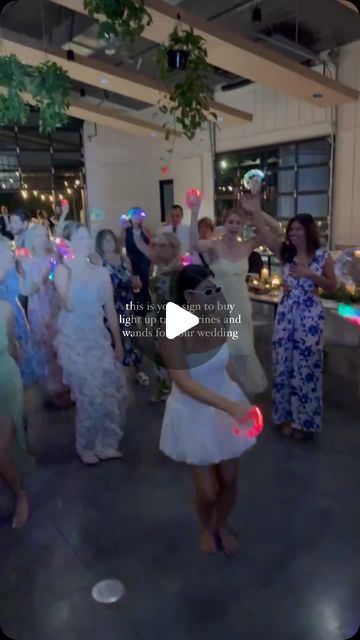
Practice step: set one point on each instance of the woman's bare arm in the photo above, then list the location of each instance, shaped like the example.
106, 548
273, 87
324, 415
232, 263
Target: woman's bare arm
265, 235
201, 246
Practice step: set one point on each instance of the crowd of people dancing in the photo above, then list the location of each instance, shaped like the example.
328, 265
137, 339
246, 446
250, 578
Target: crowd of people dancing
63, 316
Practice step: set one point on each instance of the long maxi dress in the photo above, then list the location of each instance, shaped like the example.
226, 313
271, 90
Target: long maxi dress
90, 369
298, 351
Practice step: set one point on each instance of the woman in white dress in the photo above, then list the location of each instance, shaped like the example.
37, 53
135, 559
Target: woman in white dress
202, 411
228, 259
92, 369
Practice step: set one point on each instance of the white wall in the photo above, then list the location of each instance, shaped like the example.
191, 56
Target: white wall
346, 209
276, 119
124, 170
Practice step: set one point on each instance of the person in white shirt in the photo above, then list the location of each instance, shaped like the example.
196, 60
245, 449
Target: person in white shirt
19, 224
176, 225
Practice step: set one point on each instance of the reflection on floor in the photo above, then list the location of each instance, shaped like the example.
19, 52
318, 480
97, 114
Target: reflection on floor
296, 577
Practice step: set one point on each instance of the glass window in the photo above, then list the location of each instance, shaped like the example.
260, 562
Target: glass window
67, 159
8, 160
314, 178
31, 160
317, 204
32, 140
284, 181
66, 140
284, 207
314, 152
7, 139
287, 155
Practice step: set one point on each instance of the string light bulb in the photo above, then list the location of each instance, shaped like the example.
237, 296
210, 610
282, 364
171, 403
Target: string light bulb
24, 194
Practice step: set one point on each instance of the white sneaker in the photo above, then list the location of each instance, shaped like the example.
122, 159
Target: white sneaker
109, 454
89, 457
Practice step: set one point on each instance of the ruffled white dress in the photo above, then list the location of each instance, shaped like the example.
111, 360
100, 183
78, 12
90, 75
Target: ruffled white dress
89, 366
196, 433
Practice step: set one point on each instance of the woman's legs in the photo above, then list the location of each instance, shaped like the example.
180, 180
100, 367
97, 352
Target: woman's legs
10, 475
227, 474
206, 494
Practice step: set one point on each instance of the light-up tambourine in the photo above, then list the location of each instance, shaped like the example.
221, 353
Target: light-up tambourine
23, 253
97, 215
253, 180
136, 212
255, 419
64, 250
186, 260
193, 198
123, 220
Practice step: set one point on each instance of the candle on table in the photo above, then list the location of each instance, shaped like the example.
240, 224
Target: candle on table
264, 273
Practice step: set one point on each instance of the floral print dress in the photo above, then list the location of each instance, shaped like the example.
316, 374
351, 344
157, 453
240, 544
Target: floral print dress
121, 280
298, 351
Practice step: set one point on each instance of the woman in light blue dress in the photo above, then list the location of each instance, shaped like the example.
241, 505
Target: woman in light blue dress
11, 404
299, 326
30, 363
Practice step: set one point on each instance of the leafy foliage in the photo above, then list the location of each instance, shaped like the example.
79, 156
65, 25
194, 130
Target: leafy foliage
48, 84
186, 101
13, 78
51, 91
124, 18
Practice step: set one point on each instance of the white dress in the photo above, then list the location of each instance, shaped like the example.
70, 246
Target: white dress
231, 276
86, 356
196, 433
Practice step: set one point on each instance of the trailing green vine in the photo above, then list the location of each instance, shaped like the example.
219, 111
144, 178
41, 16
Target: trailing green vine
124, 18
188, 93
51, 91
48, 85
13, 80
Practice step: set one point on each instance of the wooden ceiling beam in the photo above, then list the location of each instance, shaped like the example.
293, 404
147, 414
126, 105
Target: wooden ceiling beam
239, 55
107, 77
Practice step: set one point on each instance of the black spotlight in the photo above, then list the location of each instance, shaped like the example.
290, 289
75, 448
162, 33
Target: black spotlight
70, 55
256, 14
82, 92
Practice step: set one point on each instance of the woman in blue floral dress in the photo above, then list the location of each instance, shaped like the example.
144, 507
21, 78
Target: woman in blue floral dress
123, 283
299, 326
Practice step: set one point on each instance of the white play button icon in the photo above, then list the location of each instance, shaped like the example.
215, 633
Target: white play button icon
178, 320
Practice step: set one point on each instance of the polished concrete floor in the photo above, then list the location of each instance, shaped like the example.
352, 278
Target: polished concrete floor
296, 577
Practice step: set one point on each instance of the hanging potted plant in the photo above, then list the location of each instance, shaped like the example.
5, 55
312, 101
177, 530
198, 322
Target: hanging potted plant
51, 90
185, 71
126, 19
14, 81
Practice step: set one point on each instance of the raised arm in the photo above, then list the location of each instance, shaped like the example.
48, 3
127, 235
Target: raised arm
201, 246
267, 229
146, 249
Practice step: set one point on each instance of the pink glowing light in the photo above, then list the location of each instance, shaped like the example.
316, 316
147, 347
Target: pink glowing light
186, 260
193, 198
256, 418
23, 253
